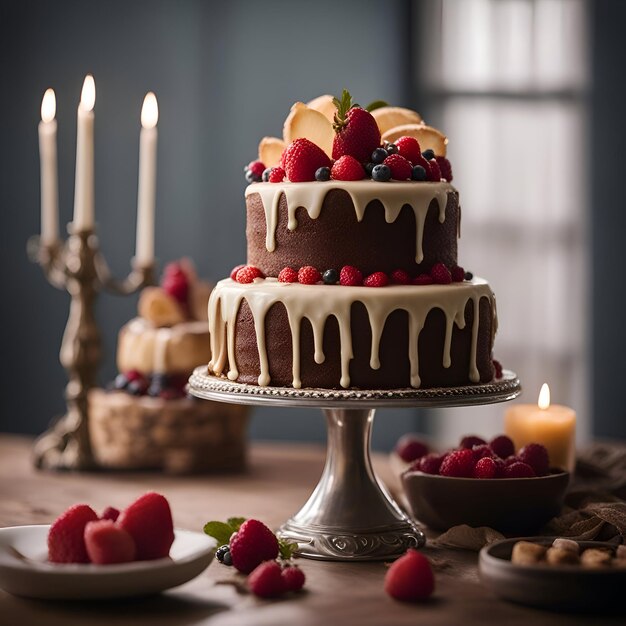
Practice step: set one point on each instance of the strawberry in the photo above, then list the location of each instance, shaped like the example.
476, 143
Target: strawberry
149, 521
410, 578
433, 172
535, 455
377, 279
445, 168
287, 275
293, 578
458, 274
252, 544
350, 276
441, 274
400, 168
107, 542
301, 159
400, 277
248, 273
277, 175
356, 130
308, 275
502, 446
233, 272
110, 513
66, 543
266, 581
409, 148
423, 279
347, 168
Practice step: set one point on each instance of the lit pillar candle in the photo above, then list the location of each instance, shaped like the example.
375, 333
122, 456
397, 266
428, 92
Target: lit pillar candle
84, 182
146, 193
551, 425
48, 170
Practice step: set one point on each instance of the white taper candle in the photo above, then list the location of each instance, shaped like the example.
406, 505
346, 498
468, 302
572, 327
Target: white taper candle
48, 170
84, 183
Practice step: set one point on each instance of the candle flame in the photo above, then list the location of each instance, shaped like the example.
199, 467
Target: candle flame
88, 94
544, 397
149, 111
48, 106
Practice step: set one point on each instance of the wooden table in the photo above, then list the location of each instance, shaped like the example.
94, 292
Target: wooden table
279, 479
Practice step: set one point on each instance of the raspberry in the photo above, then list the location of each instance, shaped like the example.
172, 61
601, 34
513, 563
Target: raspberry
410, 578
301, 159
441, 274
445, 168
502, 446
485, 468
400, 277
500, 466
459, 463
107, 542
175, 282
110, 513
248, 273
423, 279
498, 369
377, 279
347, 168
433, 171
535, 455
149, 521
293, 578
356, 130
400, 167
288, 275
308, 275
409, 448
469, 441
277, 175
510, 460
409, 148
256, 169
66, 543
252, 544
481, 451
458, 274
519, 470
266, 581
350, 276
233, 272
430, 463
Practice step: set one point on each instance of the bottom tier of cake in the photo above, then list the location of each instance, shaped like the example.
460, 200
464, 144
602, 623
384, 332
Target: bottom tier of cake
329, 336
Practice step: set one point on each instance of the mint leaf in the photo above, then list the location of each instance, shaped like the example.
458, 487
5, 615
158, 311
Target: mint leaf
220, 531
286, 548
377, 104
235, 523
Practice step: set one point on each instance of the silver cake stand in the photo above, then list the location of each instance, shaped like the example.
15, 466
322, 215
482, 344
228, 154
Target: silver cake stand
350, 516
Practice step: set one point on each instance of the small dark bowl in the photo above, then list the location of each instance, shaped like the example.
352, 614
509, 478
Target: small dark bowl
555, 587
510, 505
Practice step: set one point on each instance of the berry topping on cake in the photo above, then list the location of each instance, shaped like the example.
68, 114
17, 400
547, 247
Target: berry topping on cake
418, 173
293, 578
66, 537
428, 154
266, 581
430, 463
233, 272
445, 168
266, 174
469, 441
377, 279
288, 275
502, 446
254, 171
433, 173
356, 131
410, 578
350, 276
409, 148
308, 275
381, 173
378, 156
400, 167
485, 468
248, 273
305, 122
107, 543
400, 277
441, 274
497, 366
410, 448
176, 282
423, 279
347, 168
322, 174
427, 136
302, 158
391, 148
458, 463
519, 470
458, 274
276, 175
330, 277
469, 276
252, 544
535, 455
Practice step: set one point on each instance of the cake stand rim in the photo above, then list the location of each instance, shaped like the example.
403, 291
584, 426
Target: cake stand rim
209, 387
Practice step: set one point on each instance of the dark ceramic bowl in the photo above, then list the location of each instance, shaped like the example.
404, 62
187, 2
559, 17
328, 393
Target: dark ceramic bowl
510, 505
558, 587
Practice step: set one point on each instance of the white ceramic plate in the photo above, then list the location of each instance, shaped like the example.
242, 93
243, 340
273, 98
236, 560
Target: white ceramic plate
25, 570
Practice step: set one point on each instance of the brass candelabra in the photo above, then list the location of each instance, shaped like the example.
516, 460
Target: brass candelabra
78, 267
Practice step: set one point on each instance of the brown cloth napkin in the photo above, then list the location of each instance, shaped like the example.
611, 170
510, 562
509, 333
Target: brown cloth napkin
595, 504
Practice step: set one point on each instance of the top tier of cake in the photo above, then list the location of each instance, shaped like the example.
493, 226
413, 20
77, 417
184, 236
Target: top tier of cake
373, 226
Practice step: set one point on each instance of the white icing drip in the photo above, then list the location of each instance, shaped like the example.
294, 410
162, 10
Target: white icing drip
394, 195
319, 302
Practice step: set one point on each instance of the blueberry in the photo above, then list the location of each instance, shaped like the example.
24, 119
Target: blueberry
379, 155
266, 174
251, 177
136, 388
391, 148
322, 173
220, 552
428, 154
469, 275
381, 173
418, 173
227, 559
157, 384
121, 382
368, 169
330, 277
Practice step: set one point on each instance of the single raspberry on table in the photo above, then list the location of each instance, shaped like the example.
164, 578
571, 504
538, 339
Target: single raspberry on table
441, 274
107, 542
301, 159
410, 448
149, 521
469, 441
350, 276
356, 130
233, 272
423, 279
288, 275
277, 175
252, 544
248, 273
430, 463
377, 279
535, 455
400, 277
266, 580
400, 167
176, 282
110, 513
410, 578
347, 168
502, 446
409, 148
485, 468
519, 470
309, 275
458, 274
480, 451
458, 463
66, 537
433, 172
293, 578
445, 168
